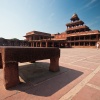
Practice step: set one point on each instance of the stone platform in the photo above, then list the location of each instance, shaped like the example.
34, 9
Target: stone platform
78, 78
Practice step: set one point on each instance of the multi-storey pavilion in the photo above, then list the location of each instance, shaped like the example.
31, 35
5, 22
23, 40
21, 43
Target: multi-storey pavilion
76, 35
79, 35
42, 39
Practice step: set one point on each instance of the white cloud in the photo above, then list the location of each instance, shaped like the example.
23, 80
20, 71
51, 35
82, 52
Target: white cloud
92, 23
90, 3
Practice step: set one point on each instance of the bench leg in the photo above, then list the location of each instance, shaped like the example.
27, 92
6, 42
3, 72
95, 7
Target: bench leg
0, 61
0, 64
54, 64
32, 61
11, 74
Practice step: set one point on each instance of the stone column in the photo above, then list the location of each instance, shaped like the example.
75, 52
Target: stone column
11, 74
79, 43
46, 44
79, 37
74, 38
59, 44
36, 44
33, 44
89, 43
0, 61
53, 44
54, 64
40, 44
97, 37
84, 44
84, 37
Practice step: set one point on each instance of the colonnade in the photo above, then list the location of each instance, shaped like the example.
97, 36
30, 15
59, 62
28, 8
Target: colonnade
48, 44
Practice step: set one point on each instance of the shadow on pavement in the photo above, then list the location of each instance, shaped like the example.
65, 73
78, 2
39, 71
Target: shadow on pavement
38, 80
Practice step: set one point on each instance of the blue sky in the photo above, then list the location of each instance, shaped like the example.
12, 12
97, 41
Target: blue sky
17, 17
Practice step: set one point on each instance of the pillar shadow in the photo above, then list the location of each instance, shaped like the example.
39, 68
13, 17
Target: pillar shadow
38, 80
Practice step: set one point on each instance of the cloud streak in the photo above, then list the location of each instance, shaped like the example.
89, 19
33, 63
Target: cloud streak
95, 22
90, 3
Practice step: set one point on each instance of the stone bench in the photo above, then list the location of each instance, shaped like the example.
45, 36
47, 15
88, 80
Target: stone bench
10, 56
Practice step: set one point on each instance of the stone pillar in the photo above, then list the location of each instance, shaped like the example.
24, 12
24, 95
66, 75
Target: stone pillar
79, 37
84, 44
53, 44
11, 74
74, 38
84, 37
46, 44
40, 44
54, 64
97, 37
79, 43
36, 44
33, 44
89, 43
59, 44
74, 43
0, 61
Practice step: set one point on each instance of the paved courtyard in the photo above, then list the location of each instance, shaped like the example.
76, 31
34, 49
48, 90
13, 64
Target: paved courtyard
78, 78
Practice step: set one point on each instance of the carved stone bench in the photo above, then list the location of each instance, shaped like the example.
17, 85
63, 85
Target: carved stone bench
10, 56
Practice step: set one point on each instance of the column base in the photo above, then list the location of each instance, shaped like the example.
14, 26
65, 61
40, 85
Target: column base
54, 65
11, 74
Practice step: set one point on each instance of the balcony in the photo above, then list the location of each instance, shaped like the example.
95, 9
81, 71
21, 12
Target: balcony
77, 28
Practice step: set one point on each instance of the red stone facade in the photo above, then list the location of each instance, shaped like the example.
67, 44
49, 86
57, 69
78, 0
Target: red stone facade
80, 35
13, 42
76, 35
12, 55
41, 39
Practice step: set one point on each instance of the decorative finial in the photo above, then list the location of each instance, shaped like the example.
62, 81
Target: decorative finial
74, 14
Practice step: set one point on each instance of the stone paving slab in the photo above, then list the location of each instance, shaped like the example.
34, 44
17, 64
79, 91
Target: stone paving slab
60, 84
95, 80
86, 64
93, 59
5, 93
88, 93
78, 73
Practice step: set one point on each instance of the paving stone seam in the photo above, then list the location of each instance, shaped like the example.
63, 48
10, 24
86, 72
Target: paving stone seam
91, 61
10, 96
76, 55
82, 59
85, 61
79, 86
42, 81
35, 84
77, 66
82, 67
49, 78
93, 86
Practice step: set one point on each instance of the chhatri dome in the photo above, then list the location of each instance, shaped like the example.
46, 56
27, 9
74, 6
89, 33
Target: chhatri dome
74, 16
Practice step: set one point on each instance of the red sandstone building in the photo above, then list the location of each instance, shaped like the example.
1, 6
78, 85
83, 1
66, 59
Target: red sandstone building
13, 42
41, 39
80, 35
76, 35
